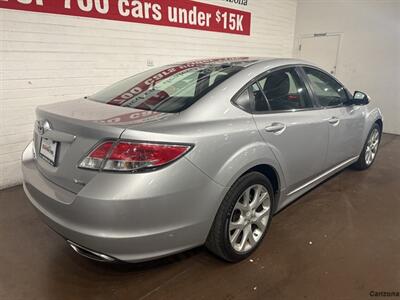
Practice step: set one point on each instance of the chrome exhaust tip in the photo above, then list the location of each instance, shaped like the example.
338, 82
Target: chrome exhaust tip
93, 255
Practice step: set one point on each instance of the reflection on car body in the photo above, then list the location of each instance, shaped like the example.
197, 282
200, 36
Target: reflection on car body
201, 152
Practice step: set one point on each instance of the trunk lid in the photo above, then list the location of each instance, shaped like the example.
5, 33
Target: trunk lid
77, 126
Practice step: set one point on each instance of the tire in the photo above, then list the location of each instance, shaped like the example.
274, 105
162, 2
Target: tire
254, 219
363, 162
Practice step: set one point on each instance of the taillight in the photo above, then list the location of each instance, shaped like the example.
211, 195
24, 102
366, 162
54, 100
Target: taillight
95, 158
131, 156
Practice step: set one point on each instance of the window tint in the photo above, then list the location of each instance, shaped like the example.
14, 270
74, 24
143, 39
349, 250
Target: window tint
260, 103
328, 91
243, 101
167, 89
285, 90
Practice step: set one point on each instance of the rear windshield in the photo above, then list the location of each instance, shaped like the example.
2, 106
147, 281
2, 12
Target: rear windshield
168, 89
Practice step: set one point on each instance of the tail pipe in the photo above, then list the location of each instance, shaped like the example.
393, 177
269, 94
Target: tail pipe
90, 253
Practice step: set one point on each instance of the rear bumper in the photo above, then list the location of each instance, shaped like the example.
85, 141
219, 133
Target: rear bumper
130, 217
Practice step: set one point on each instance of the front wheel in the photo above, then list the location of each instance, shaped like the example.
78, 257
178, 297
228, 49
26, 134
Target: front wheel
243, 218
368, 154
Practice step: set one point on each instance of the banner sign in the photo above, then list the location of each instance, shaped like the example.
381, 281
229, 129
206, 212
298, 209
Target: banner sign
174, 13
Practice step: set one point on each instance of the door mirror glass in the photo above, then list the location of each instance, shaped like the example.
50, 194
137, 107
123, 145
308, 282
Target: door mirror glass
360, 98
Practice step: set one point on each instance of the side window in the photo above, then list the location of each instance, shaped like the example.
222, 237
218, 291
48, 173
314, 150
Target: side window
328, 91
260, 103
243, 101
285, 90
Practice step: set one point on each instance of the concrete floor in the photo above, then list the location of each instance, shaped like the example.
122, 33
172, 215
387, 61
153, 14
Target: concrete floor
339, 241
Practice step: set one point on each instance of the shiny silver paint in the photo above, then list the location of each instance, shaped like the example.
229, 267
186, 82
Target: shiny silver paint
142, 216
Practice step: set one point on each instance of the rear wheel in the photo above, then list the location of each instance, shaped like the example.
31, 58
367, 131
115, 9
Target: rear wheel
368, 154
243, 218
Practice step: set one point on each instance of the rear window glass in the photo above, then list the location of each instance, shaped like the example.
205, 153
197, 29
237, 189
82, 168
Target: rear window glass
167, 89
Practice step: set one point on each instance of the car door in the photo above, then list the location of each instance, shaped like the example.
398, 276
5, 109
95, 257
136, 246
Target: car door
345, 121
288, 121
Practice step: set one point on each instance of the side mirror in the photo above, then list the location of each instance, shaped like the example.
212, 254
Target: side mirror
360, 98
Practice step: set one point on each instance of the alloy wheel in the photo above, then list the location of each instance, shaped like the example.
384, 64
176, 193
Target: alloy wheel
372, 147
249, 218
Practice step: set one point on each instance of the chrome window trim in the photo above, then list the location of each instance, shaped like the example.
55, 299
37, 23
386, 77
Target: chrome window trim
286, 111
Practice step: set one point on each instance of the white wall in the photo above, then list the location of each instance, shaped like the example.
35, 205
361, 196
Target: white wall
369, 56
46, 58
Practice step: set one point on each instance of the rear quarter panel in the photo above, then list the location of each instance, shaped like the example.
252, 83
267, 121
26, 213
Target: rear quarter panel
231, 150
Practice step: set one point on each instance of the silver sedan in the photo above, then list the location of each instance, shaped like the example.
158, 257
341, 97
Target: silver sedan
199, 152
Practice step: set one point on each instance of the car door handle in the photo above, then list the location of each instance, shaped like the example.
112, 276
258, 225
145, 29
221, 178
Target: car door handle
275, 128
334, 121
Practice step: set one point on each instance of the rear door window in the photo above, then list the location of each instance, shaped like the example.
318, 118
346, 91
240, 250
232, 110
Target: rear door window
284, 91
260, 103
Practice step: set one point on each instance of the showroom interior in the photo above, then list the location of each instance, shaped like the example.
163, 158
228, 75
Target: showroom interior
340, 240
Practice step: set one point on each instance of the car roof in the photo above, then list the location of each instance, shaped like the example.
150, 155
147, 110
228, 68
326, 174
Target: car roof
247, 61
